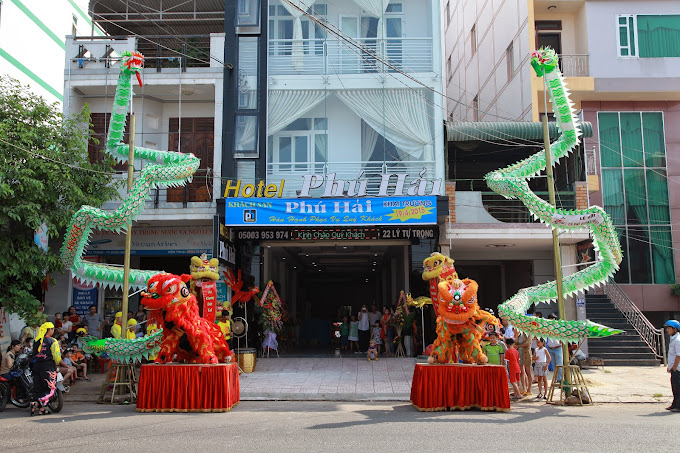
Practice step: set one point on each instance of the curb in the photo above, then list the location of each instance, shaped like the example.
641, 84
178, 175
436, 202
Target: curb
348, 397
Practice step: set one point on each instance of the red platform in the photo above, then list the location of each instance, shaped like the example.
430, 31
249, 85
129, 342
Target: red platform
458, 386
174, 387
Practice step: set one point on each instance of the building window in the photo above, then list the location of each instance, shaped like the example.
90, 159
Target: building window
635, 193
281, 30
473, 39
510, 61
302, 146
475, 108
648, 36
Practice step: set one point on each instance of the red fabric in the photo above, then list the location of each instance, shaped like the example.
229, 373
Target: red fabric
512, 356
174, 387
458, 386
514, 376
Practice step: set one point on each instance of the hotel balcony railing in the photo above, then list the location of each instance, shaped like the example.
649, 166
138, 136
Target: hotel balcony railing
292, 173
314, 56
575, 65
514, 211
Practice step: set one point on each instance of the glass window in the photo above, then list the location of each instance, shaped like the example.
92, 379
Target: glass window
659, 36
635, 193
248, 13
245, 135
394, 8
626, 27
247, 73
300, 146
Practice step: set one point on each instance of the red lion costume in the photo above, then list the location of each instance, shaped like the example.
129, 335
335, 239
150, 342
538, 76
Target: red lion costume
185, 334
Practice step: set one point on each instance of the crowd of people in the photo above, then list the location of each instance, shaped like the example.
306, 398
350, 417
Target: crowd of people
527, 358
370, 332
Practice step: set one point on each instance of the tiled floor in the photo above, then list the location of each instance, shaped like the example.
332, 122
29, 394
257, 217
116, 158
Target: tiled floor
328, 377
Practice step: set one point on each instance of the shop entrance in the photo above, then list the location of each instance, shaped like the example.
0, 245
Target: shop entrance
323, 281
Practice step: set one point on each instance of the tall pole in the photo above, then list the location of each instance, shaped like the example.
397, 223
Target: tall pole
128, 236
556, 238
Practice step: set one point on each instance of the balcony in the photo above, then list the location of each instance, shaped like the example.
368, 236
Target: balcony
313, 56
575, 65
292, 172
489, 207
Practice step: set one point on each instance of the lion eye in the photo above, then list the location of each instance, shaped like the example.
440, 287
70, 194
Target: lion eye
184, 291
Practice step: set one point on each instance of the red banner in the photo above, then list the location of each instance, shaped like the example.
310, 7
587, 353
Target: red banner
209, 290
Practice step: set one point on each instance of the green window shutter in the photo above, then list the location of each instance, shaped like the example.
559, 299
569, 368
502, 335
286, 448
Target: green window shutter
655, 146
662, 255
612, 194
636, 196
610, 139
657, 197
631, 35
631, 139
659, 36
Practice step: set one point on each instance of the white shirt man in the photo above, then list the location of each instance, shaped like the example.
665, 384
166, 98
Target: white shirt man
672, 327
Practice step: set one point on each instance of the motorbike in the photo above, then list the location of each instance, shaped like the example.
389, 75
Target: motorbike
16, 387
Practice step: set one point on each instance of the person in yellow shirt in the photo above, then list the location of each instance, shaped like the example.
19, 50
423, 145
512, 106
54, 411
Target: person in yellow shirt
116, 329
131, 329
225, 325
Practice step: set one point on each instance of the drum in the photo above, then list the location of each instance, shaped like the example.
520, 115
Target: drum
246, 359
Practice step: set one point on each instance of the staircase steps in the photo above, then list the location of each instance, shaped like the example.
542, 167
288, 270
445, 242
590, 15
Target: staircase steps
626, 349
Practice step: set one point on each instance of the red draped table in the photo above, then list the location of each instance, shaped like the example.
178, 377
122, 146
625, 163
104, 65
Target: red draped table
175, 387
440, 387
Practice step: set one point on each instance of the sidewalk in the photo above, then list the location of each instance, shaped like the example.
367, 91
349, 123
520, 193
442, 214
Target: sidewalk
356, 379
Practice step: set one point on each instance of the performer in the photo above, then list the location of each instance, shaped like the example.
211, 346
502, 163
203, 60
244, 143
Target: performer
116, 328
46, 356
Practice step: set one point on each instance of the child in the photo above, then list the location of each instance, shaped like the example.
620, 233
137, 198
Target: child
375, 334
542, 359
344, 334
494, 351
353, 334
512, 356
28, 345
71, 362
372, 352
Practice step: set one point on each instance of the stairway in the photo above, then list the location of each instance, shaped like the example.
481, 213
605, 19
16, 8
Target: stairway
626, 349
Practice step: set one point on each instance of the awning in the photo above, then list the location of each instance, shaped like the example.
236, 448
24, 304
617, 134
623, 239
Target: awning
504, 131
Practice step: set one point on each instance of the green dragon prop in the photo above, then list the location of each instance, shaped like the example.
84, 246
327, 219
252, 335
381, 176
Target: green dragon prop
168, 169
125, 350
511, 182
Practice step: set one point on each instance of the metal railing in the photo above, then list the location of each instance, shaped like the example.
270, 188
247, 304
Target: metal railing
575, 65
654, 337
316, 56
292, 173
514, 211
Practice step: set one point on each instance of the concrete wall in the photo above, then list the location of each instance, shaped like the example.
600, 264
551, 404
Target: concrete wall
485, 74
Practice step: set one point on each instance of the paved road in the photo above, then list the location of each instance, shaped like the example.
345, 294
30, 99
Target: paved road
346, 427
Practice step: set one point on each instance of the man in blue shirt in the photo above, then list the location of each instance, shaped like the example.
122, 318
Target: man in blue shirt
672, 326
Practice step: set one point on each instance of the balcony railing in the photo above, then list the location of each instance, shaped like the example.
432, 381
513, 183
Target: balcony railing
292, 172
514, 211
575, 65
314, 56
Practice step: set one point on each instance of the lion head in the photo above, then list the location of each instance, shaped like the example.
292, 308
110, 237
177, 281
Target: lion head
457, 300
438, 266
166, 289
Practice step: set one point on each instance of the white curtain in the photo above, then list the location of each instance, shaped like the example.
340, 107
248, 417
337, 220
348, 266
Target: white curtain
298, 47
285, 106
369, 137
375, 8
401, 116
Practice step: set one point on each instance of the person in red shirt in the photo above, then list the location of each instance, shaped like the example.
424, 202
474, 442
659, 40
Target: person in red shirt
512, 356
73, 316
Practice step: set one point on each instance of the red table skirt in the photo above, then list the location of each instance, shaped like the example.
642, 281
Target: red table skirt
174, 387
456, 386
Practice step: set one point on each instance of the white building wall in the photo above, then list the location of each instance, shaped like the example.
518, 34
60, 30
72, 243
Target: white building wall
485, 73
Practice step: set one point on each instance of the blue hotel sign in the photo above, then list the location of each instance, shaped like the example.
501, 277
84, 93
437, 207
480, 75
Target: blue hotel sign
415, 210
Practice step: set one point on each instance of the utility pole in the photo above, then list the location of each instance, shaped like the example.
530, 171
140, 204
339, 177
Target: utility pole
556, 240
128, 236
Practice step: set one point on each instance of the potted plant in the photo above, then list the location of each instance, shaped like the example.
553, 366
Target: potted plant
407, 332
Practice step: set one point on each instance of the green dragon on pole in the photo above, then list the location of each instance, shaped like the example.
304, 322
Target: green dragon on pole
165, 169
511, 182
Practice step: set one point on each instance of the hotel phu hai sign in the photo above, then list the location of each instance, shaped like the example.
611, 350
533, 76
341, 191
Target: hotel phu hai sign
400, 201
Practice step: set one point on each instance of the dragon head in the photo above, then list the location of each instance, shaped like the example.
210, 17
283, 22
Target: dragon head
166, 289
457, 300
438, 265
543, 60
131, 63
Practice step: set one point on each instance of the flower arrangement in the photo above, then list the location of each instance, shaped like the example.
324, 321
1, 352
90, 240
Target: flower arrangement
273, 310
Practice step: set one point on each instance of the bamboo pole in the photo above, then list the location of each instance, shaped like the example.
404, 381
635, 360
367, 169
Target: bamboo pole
128, 236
